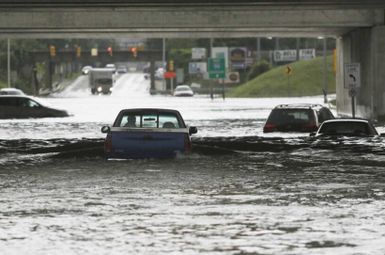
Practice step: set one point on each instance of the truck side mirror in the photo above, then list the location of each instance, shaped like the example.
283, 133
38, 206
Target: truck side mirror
105, 129
193, 130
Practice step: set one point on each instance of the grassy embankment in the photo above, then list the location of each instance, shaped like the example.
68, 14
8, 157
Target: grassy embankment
306, 79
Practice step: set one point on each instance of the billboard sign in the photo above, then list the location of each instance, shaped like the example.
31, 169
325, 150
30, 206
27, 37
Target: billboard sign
306, 54
232, 77
198, 53
285, 55
197, 67
238, 57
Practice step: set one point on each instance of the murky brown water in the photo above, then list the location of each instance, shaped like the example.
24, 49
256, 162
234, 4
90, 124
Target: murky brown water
301, 201
238, 193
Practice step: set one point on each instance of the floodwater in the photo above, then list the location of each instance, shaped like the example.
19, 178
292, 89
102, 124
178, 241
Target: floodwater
240, 192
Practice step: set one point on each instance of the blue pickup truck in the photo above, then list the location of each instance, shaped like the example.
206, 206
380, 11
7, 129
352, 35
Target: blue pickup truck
147, 133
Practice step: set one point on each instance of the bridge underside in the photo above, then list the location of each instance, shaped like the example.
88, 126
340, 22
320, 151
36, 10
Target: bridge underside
152, 22
358, 26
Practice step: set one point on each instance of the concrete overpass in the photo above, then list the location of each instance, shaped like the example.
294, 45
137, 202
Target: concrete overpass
358, 26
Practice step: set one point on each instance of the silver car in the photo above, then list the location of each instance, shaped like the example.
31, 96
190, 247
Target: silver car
183, 91
11, 91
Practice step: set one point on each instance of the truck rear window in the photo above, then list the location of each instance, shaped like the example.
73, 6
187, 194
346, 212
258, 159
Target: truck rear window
143, 120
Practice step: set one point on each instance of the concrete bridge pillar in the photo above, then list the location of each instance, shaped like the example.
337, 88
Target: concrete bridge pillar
367, 47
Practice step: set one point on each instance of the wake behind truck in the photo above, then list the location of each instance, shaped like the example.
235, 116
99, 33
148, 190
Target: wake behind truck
101, 80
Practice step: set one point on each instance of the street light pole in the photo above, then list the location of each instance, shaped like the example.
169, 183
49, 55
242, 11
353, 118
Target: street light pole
9, 62
164, 62
258, 49
325, 88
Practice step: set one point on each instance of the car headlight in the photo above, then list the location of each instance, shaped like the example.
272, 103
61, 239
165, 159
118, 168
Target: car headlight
111, 89
100, 89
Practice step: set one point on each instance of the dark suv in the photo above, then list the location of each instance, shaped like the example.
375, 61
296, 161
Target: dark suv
297, 118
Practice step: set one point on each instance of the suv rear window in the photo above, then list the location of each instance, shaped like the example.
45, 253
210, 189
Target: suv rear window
284, 116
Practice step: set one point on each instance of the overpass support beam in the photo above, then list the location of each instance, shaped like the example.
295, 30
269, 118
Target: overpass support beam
367, 47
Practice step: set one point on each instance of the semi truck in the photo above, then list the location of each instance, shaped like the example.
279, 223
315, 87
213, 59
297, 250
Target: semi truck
101, 80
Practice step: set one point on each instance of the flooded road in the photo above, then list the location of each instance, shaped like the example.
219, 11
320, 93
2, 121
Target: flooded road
240, 192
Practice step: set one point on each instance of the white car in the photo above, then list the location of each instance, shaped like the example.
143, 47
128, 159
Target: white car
346, 127
86, 69
183, 91
11, 91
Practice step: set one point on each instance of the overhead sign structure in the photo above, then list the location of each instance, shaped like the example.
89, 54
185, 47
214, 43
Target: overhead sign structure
216, 68
352, 75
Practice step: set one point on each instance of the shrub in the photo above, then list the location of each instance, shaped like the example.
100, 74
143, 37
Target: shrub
257, 69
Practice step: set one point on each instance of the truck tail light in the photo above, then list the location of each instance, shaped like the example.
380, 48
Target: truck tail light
108, 144
269, 127
187, 144
311, 126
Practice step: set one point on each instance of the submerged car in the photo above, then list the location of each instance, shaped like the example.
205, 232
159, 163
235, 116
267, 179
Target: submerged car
346, 127
183, 91
21, 107
147, 133
297, 118
11, 91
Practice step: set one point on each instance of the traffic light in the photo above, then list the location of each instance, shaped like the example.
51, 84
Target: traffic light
109, 50
171, 65
134, 51
78, 51
52, 51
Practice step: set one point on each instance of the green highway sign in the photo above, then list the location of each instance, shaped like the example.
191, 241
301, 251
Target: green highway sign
216, 68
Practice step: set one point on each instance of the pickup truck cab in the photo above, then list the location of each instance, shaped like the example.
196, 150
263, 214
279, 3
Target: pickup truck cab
147, 133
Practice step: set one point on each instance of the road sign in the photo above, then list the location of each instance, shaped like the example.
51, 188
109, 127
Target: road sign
169, 75
94, 52
288, 70
352, 76
216, 68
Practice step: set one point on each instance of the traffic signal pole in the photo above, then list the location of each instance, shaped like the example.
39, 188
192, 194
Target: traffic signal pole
52, 54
